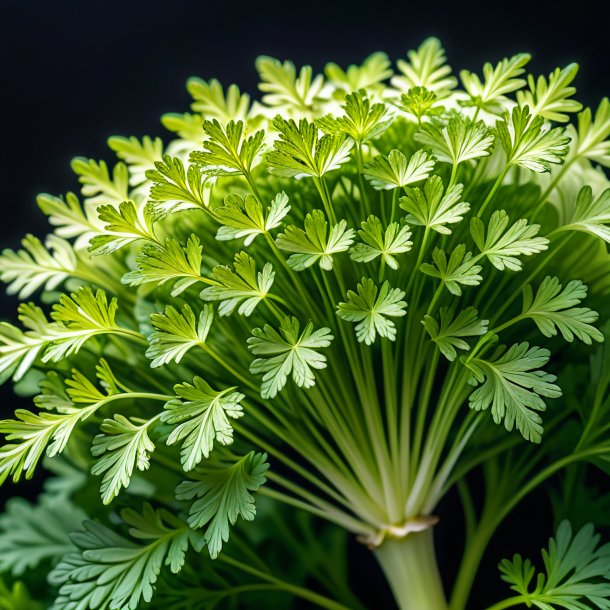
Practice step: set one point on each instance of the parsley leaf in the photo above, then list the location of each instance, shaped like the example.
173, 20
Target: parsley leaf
99, 186
419, 102
576, 573
553, 309
374, 70
227, 151
460, 269
362, 121
315, 244
513, 386
448, 334
123, 446
590, 215
203, 417
176, 332
244, 217
432, 208
501, 246
592, 141
109, 570
394, 171
551, 99
459, 140
376, 242
489, 94
528, 143
166, 263
244, 287
223, 494
371, 308
140, 155
300, 152
211, 101
287, 352
426, 68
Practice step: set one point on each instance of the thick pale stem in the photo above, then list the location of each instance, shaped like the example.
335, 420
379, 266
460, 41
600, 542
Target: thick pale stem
410, 566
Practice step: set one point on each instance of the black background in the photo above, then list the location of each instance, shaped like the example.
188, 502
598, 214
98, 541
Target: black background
74, 73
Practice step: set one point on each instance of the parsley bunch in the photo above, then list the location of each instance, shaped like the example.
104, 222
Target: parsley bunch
344, 298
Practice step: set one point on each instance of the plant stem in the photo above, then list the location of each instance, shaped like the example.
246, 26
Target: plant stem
410, 566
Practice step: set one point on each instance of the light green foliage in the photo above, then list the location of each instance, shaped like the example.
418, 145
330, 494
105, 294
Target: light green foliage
395, 171
168, 262
457, 141
371, 308
315, 243
17, 597
223, 495
502, 244
287, 352
426, 68
552, 309
490, 93
434, 207
527, 143
575, 576
202, 415
239, 289
244, 217
375, 242
460, 269
513, 386
448, 334
109, 570
176, 332
244, 287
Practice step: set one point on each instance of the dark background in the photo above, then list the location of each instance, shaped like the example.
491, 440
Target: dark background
74, 73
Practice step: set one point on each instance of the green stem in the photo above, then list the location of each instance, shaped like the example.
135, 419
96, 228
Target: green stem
510, 603
491, 193
410, 567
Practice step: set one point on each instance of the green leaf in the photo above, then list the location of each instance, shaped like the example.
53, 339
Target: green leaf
17, 597
167, 263
426, 68
575, 576
37, 266
497, 82
448, 334
433, 209
223, 496
300, 152
176, 332
123, 226
419, 102
188, 128
371, 308
552, 309
286, 91
70, 218
287, 352
501, 245
99, 186
244, 217
227, 151
122, 446
394, 171
139, 155
244, 287
513, 386
211, 101
590, 215
458, 140
551, 99
362, 121
375, 69
460, 270
528, 143
175, 188
109, 570
203, 417
592, 141
315, 244
31, 534
375, 242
